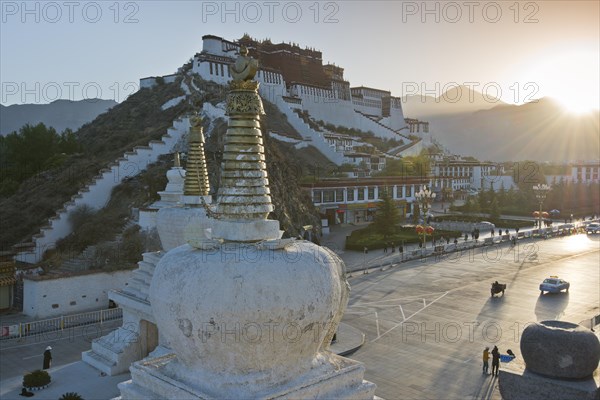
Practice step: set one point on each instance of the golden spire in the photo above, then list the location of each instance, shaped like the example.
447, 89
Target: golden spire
244, 191
196, 177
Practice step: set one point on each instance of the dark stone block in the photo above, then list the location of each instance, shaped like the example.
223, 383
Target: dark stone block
560, 349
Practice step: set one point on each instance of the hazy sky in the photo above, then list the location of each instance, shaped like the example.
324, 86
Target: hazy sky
101, 49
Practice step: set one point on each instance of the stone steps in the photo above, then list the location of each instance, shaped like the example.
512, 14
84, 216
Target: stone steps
97, 361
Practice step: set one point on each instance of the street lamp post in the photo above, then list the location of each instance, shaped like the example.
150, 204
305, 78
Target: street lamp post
424, 199
541, 191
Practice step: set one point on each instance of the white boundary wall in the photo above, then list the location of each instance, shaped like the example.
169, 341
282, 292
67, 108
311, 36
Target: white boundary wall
69, 295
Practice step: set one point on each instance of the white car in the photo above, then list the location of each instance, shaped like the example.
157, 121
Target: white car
554, 284
594, 227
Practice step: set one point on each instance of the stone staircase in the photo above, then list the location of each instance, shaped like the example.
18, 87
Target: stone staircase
115, 352
374, 119
97, 192
109, 353
139, 285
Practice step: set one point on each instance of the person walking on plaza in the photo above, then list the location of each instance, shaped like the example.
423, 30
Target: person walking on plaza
495, 360
47, 358
486, 360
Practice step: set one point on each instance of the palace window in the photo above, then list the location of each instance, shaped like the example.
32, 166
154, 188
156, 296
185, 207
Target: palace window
328, 196
351, 194
361, 194
317, 196
371, 194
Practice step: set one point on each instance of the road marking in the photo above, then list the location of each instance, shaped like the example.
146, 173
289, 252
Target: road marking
410, 316
27, 358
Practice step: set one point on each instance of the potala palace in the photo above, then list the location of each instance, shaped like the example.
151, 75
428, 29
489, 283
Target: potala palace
309, 93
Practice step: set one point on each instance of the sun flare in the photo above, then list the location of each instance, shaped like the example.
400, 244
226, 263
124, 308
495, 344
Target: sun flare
569, 77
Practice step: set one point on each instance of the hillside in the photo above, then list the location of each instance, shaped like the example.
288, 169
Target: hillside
540, 131
60, 114
457, 100
136, 121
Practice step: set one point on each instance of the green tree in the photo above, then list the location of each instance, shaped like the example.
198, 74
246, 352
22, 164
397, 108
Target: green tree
387, 216
68, 142
416, 215
494, 209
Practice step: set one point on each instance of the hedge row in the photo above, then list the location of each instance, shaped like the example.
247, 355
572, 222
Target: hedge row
370, 238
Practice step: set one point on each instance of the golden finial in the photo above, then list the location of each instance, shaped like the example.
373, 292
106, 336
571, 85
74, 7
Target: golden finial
244, 67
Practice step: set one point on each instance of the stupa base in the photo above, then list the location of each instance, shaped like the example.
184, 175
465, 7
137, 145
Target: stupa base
339, 378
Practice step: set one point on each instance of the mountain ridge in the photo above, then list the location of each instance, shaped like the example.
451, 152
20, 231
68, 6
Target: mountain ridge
59, 114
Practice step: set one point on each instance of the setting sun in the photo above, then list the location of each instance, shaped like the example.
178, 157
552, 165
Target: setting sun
570, 77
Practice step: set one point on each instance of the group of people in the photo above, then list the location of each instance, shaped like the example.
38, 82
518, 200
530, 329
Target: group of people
495, 359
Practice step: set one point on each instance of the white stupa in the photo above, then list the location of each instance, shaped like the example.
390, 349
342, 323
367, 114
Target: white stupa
190, 212
247, 314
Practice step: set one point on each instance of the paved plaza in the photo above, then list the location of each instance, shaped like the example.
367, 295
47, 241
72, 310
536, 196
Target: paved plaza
428, 321
425, 322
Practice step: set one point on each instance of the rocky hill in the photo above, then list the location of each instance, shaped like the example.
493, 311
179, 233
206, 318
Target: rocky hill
136, 121
60, 114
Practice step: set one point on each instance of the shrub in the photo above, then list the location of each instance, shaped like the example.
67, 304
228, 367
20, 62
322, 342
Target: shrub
71, 396
80, 216
36, 378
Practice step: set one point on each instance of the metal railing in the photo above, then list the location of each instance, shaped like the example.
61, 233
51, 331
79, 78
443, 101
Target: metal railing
32, 328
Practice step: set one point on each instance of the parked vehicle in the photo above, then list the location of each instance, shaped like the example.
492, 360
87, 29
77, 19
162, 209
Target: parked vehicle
594, 227
554, 284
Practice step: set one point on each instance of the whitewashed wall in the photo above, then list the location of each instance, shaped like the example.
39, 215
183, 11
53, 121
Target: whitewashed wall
307, 132
72, 294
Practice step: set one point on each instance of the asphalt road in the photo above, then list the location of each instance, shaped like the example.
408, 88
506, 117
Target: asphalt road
427, 323
18, 357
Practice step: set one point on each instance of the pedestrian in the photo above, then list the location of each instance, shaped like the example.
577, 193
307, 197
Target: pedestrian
448, 240
385, 248
486, 360
466, 237
393, 247
47, 358
26, 393
495, 360
455, 241
366, 250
